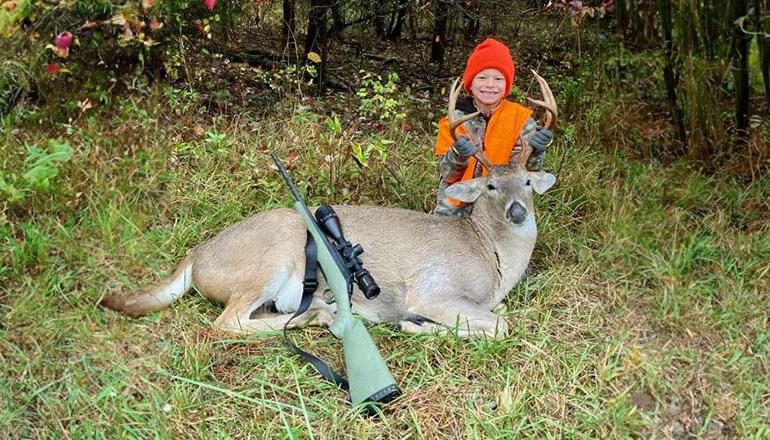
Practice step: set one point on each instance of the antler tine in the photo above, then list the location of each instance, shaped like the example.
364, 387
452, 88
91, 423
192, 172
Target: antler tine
454, 123
453, 95
526, 151
548, 102
481, 157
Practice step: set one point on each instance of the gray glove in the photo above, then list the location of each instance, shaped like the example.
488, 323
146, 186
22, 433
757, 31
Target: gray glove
540, 139
464, 147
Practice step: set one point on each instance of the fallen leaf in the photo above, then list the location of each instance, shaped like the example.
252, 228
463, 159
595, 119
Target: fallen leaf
314, 57
84, 105
118, 19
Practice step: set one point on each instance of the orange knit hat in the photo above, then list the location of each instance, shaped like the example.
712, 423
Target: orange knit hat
490, 54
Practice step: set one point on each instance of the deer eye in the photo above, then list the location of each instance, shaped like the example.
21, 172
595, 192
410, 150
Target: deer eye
491, 187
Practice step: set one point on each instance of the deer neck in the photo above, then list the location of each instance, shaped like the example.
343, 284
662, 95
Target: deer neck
512, 244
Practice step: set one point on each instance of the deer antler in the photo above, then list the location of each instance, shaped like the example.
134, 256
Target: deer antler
549, 104
454, 123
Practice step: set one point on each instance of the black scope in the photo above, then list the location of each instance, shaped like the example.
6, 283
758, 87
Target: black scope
329, 221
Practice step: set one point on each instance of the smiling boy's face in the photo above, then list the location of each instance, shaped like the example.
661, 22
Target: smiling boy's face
488, 87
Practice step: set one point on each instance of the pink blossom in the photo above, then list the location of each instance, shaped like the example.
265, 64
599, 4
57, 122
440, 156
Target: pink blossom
576, 6
62, 43
210, 4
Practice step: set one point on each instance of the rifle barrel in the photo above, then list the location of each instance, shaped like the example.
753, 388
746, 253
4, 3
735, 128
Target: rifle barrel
286, 177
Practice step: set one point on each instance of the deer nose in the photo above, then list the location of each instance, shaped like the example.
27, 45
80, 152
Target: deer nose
517, 213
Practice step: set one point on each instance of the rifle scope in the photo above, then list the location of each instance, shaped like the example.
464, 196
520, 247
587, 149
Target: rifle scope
330, 223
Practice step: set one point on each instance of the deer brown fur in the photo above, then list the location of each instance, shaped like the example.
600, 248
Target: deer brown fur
435, 273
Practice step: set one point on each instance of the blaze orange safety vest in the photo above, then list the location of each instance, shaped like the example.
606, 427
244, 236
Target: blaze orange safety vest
503, 129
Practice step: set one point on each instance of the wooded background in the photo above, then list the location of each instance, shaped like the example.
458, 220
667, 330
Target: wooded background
132, 131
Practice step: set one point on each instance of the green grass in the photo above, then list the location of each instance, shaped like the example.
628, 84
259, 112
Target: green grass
647, 315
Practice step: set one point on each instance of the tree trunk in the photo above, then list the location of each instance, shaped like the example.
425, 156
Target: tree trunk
622, 13
763, 41
394, 33
472, 22
288, 24
741, 72
710, 28
317, 33
438, 45
764, 54
379, 19
338, 21
669, 75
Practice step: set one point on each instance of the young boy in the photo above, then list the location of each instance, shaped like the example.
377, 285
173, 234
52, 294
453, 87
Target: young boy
497, 131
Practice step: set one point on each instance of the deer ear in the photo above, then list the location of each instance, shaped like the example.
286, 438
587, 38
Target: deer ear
541, 181
466, 192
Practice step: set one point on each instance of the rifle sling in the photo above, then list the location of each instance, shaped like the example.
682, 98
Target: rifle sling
309, 286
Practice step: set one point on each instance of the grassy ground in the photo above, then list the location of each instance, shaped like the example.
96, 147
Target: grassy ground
647, 314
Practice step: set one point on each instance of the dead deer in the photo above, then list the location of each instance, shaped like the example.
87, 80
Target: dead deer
435, 273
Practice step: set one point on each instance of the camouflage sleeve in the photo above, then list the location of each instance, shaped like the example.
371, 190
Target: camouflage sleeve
451, 169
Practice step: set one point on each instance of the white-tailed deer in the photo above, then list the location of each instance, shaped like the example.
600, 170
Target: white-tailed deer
435, 273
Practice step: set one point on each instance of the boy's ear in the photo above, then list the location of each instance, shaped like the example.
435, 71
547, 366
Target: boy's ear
466, 192
541, 181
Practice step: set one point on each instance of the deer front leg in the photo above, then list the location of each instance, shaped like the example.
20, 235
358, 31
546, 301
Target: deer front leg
462, 319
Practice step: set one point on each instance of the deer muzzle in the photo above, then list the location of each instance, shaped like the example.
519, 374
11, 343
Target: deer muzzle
516, 213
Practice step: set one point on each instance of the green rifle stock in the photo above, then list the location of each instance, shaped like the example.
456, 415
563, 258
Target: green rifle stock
369, 378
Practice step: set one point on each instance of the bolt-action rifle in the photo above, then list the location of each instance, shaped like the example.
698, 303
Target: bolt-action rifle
369, 379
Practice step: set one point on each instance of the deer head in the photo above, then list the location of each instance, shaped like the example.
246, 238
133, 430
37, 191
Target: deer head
506, 192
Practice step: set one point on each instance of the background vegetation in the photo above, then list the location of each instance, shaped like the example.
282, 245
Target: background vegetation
647, 315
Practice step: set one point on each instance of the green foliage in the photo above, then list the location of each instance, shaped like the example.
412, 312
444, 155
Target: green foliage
183, 101
41, 166
290, 80
9, 17
386, 101
362, 152
646, 316
15, 81
636, 266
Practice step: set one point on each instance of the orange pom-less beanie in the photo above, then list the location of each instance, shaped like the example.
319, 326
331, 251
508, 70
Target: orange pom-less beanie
490, 54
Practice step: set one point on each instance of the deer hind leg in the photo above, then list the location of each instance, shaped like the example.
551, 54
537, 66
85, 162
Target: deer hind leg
284, 290
274, 322
464, 320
